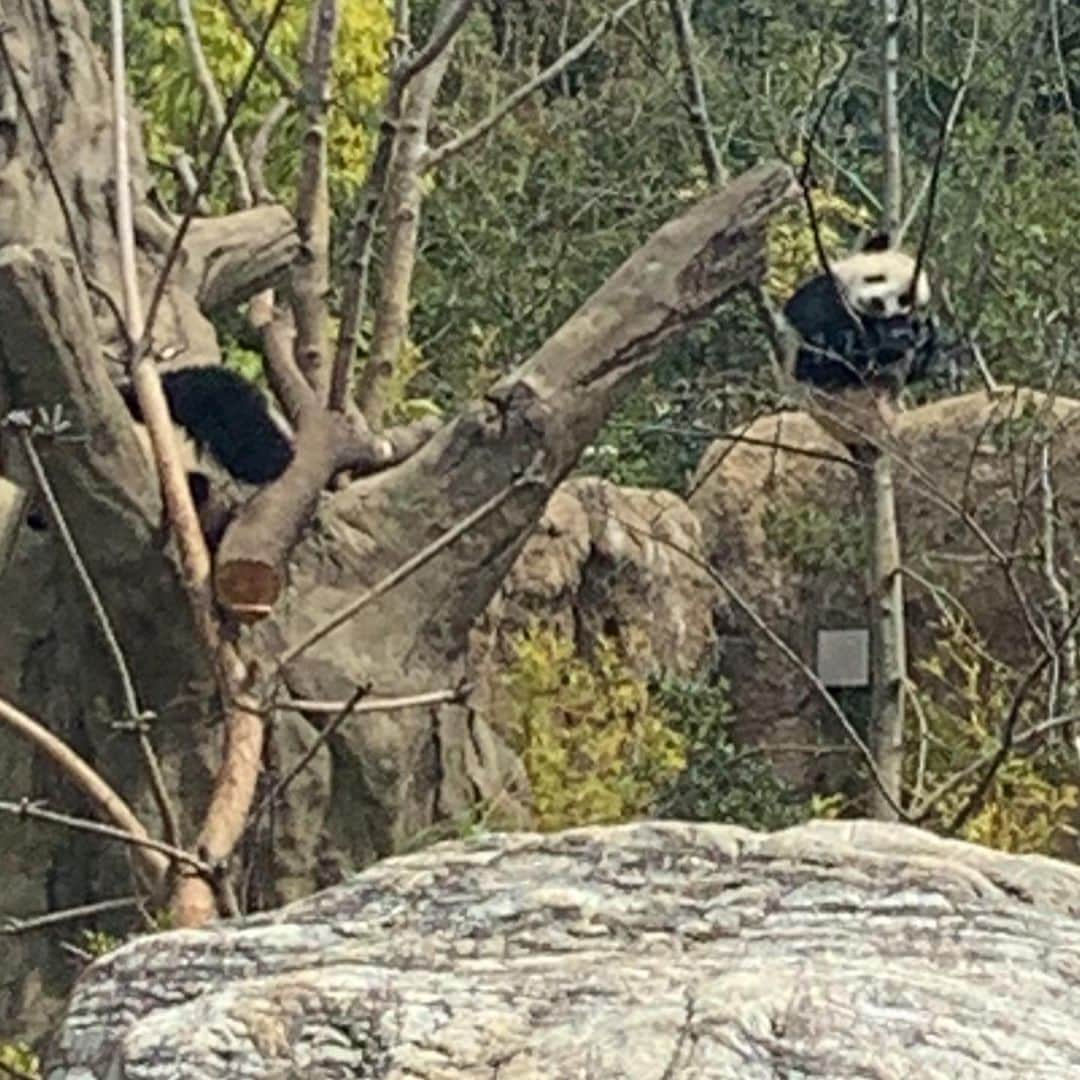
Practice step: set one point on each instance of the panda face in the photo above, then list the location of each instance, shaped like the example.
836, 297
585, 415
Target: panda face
881, 284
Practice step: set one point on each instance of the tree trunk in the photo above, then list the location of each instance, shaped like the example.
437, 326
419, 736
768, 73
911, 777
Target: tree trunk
887, 653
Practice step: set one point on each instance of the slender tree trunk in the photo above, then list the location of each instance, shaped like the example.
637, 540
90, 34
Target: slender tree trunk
887, 648
891, 204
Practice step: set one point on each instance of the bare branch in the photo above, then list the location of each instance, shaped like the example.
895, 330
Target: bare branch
892, 196
136, 715
437, 155
260, 146
448, 22
945, 135
108, 803
231, 110
405, 198
12, 927
370, 201
311, 274
205, 79
145, 380
695, 91
145, 846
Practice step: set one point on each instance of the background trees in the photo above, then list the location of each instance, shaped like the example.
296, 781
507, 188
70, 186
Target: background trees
520, 220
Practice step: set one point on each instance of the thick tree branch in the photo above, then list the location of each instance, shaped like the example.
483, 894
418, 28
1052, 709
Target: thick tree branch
556, 402
405, 198
231, 258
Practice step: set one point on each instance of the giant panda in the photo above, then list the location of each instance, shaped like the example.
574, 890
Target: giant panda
220, 415
865, 323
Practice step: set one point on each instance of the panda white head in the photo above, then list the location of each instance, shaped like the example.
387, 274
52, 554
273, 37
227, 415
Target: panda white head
881, 284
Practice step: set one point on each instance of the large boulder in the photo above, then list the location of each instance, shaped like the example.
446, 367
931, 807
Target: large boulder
604, 561
982, 483
639, 951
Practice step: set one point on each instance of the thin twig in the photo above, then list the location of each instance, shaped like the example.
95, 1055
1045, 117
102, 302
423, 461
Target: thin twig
944, 135
410, 566
205, 78
12, 926
1008, 728
803, 177
236, 100
437, 155
1029, 734
24, 808
289, 86
373, 705
136, 715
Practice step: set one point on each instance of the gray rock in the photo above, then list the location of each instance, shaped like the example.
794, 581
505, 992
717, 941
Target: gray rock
652, 950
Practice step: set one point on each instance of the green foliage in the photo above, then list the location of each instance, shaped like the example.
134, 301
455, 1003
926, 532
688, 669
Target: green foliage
720, 782
595, 744
815, 539
793, 255
99, 942
19, 1057
173, 105
1031, 802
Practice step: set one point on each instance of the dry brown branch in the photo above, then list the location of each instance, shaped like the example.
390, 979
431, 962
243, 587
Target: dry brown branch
437, 155
109, 804
374, 705
195, 558
195, 899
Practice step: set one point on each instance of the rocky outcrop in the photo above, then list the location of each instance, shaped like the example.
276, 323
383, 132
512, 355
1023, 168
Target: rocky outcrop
646, 950
604, 561
781, 519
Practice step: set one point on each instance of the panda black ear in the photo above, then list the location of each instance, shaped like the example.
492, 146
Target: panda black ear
877, 242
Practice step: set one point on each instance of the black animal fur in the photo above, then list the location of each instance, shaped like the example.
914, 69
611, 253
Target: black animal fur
227, 417
842, 349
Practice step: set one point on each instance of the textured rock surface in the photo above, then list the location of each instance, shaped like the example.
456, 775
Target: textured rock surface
601, 562
642, 951
781, 519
